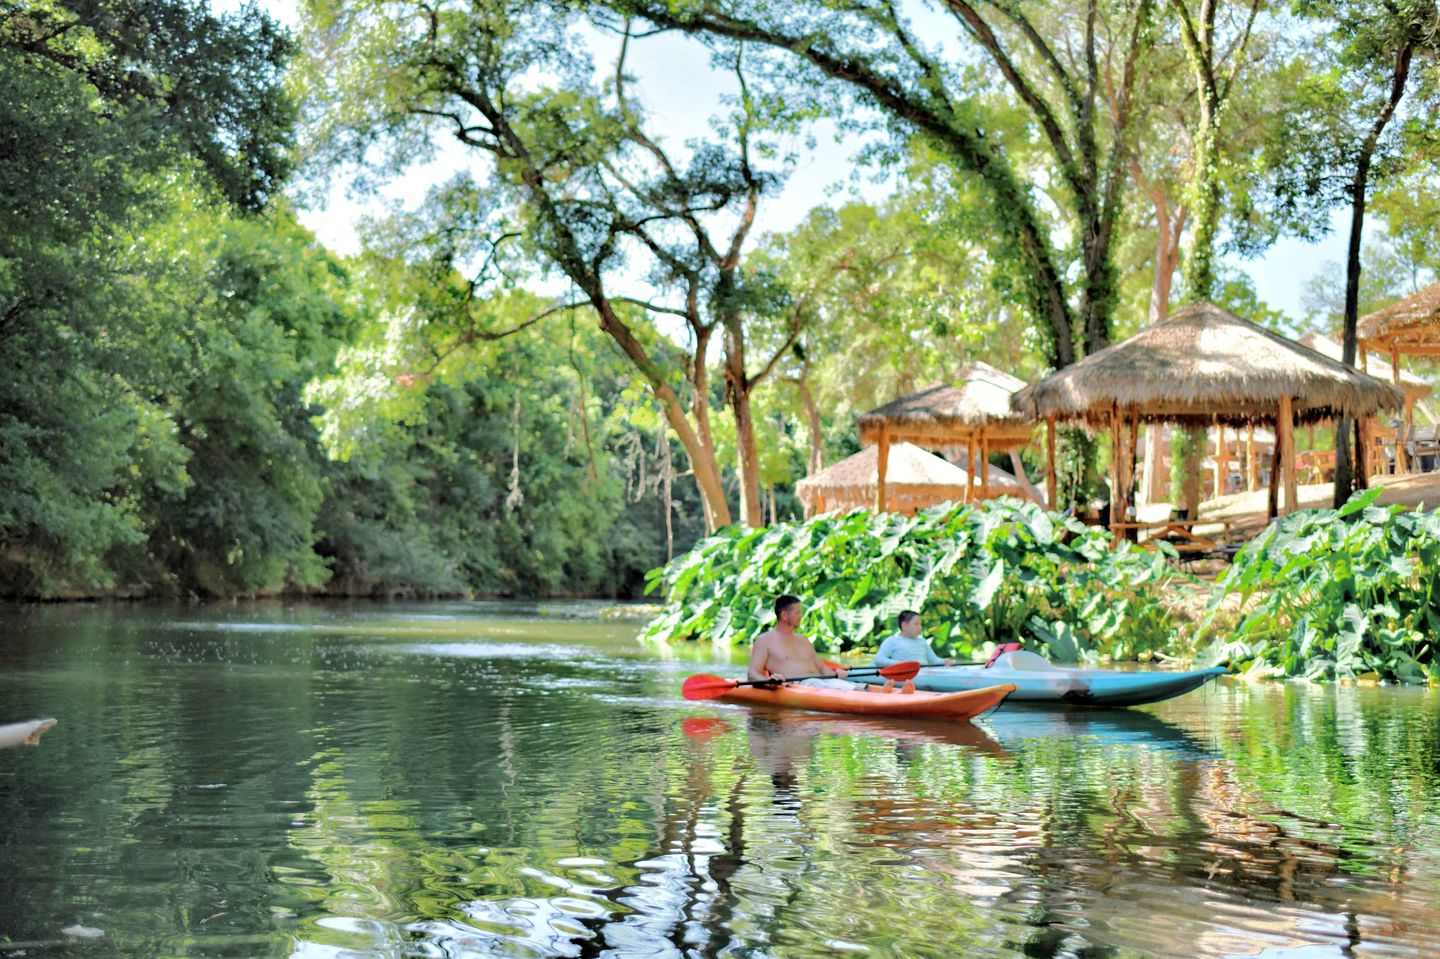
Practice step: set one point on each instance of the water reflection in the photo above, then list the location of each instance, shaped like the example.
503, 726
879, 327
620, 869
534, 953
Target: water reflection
468, 785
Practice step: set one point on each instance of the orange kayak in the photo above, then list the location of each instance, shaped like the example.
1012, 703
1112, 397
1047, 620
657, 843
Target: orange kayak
963, 705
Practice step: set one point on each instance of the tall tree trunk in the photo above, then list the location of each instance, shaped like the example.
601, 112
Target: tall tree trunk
702, 455
1345, 466
812, 418
1169, 229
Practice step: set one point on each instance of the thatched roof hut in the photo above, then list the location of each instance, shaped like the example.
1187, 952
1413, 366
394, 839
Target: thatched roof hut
916, 479
975, 415
937, 415
1410, 326
1200, 367
1415, 387
1205, 365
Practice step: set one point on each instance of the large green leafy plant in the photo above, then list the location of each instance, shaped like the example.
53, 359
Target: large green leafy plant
999, 572
1329, 594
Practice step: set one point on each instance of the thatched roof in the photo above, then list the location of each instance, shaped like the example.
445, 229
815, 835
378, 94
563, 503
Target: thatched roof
1414, 320
1414, 386
914, 478
942, 414
1205, 365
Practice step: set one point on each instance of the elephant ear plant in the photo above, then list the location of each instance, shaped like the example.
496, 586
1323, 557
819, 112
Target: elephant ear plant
1333, 594
1002, 571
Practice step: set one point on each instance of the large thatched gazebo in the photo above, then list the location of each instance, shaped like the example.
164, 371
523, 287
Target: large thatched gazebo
1410, 326
917, 478
1201, 367
975, 415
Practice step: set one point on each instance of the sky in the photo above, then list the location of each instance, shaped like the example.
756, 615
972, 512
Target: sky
680, 92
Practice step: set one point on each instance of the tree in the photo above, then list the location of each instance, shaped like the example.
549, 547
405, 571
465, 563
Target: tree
575, 180
103, 105
1340, 136
1054, 65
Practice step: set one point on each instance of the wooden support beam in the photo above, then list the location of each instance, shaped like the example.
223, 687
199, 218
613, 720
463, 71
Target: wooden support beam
1252, 467
1402, 435
984, 466
1117, 515
1272, 503
1286, 438
1050, 487
969, 466
881, 465
1220, 460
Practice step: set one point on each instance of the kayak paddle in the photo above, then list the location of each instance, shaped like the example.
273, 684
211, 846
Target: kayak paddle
704, 686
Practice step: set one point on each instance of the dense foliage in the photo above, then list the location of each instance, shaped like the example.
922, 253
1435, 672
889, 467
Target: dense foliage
1328, 594
998, 572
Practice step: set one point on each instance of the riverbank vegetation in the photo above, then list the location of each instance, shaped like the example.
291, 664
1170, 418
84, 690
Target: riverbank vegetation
585, 348
1321, 594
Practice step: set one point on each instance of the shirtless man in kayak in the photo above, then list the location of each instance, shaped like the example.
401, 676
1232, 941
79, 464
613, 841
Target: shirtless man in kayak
781, 652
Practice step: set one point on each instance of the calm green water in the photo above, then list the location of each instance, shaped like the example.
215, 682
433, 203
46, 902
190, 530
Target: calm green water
478, 780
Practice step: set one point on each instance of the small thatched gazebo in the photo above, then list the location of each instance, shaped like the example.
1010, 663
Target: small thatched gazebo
918, 479
1200, 367
976, 415
1411, 326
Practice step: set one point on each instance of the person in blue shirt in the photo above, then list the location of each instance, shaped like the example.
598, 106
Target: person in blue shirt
908, 645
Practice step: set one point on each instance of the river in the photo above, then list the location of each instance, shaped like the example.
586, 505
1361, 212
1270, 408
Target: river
479, 779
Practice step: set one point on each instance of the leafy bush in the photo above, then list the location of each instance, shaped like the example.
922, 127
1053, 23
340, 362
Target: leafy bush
1002, 571
1337, 593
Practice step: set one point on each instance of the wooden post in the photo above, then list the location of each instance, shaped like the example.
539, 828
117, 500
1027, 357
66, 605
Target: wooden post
1219, 459
1272, 506
984, 466
1286, 439
1363, 451
1126, 471
1050, 462
1402, 432
969, 466
1116, 515
1252, 468
881, 464
1134, 452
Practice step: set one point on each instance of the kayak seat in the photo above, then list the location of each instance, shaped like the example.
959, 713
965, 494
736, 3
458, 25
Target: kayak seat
1022, 660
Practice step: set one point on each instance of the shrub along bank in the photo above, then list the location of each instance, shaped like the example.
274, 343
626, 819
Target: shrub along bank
1359, 593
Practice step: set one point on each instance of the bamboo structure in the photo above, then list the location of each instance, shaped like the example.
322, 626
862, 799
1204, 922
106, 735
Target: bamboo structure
974, 416
915, 479
1205, 366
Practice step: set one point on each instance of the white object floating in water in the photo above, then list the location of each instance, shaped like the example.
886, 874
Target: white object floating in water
83, 932
24, 734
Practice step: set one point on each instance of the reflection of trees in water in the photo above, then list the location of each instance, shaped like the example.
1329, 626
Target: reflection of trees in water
1054, 843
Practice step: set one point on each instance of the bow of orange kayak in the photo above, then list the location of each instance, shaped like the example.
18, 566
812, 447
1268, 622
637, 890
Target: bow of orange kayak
873, 702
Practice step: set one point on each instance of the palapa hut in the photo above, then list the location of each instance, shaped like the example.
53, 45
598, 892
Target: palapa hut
1200, 367
917, 479
975, 415
1411, 326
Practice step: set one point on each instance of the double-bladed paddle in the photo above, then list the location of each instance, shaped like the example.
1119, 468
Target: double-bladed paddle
704, 686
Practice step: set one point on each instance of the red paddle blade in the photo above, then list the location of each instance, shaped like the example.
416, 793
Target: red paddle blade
704, 686
906, 670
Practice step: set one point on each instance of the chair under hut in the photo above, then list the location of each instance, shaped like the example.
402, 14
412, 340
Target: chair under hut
917, 479
1203, 366
975, 416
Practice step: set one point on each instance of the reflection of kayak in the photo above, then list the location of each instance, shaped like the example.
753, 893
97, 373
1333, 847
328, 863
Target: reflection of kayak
961, 705
1111, 727
901, 729
1036, 680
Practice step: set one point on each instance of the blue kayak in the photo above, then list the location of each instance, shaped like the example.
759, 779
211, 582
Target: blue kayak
1038, 681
